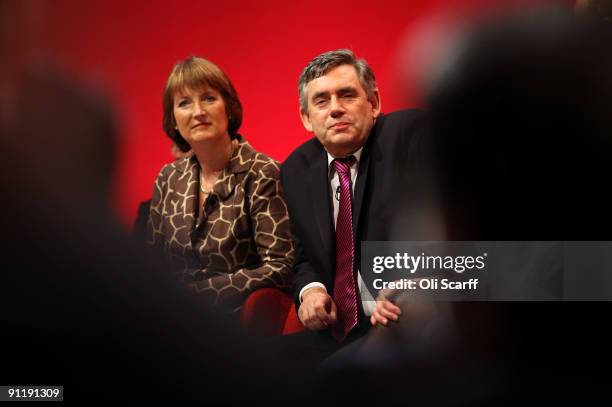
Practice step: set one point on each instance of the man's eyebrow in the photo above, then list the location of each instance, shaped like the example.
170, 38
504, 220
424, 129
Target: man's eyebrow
320, 94
347, 89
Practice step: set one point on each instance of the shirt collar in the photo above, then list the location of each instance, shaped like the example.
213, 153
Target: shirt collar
356, 154
240, 161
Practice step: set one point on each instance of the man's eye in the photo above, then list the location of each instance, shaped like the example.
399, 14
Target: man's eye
319, 102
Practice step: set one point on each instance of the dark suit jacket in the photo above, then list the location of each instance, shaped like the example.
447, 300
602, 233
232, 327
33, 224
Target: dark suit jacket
384, 176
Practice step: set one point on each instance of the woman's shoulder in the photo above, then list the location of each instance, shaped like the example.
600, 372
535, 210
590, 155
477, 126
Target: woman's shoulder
179, 165
257, 162
171, 173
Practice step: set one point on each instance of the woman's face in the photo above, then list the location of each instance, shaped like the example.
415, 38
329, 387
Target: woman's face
200, 114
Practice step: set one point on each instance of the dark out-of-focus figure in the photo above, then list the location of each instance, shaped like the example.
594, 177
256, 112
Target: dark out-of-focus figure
521, 128
82, 306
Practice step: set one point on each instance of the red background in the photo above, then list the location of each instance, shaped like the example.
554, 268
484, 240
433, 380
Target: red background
127, 48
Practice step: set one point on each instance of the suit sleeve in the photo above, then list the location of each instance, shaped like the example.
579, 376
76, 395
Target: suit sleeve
303, 271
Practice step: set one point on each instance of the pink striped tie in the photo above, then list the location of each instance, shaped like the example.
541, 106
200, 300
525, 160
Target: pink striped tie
344, 295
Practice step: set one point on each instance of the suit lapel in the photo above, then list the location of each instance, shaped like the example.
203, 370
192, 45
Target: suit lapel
362, 176
185, 192
362, 172
319, 196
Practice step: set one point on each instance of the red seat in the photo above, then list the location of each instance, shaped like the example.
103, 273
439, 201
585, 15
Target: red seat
270, 311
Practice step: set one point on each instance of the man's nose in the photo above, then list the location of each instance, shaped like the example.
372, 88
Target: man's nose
336, 107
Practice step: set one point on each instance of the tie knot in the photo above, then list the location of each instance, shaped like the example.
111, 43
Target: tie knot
343, 165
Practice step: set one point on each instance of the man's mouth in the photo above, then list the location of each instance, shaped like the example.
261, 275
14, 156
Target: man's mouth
340, 126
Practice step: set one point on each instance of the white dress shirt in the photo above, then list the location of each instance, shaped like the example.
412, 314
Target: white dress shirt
367, 300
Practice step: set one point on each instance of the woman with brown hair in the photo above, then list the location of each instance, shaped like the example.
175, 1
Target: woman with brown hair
218, 213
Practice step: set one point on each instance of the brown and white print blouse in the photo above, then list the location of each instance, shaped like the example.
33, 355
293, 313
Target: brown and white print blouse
242, 241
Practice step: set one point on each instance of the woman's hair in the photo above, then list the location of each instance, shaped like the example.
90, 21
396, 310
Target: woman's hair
193, 73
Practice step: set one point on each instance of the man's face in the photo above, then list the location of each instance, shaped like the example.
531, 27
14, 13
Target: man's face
339, 112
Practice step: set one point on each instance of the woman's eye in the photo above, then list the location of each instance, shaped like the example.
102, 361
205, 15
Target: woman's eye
182, 103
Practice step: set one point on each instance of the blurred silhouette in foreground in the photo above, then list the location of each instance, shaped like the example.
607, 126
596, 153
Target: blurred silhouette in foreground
82, 306
522, 131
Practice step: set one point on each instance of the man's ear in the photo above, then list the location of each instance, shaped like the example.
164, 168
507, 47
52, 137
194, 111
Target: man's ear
376, 104
306, 120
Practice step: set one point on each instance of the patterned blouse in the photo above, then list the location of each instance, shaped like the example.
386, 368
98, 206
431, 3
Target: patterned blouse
242, 241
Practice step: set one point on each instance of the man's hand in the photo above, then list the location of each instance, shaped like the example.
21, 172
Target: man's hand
385, 311
317, 310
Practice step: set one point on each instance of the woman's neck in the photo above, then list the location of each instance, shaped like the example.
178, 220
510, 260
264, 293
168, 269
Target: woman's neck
213, 155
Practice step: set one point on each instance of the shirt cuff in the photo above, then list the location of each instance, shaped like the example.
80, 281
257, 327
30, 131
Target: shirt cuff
310, 285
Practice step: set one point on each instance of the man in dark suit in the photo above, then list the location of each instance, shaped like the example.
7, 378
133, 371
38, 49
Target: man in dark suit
342, 187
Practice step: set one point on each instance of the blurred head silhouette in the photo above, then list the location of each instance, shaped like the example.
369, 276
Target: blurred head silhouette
522, 124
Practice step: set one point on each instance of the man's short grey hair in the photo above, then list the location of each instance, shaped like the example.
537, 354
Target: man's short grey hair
327, 61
